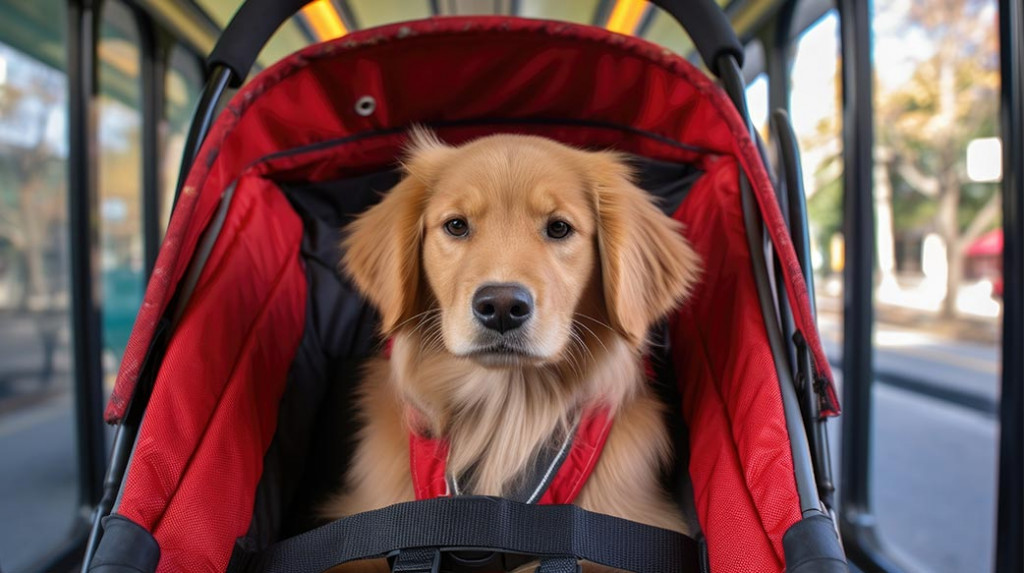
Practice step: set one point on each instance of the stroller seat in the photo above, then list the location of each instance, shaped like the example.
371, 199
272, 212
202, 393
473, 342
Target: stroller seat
235, 389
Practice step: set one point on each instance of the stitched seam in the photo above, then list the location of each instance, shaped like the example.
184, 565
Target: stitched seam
735, 450
594, 452
209, 275
249, 337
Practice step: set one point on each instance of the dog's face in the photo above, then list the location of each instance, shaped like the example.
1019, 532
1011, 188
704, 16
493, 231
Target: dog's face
509, 250
515, 247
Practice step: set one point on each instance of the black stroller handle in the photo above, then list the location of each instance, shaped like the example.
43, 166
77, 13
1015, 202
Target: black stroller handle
256, 20
709, 29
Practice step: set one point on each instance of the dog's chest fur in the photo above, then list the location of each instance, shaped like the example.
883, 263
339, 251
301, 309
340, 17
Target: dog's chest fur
495, 421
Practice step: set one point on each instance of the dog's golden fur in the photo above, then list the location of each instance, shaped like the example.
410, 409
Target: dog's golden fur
596, 292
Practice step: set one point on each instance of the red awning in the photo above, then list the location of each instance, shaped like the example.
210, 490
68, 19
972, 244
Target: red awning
991, 243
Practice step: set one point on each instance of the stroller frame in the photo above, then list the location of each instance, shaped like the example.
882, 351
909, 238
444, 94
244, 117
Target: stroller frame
802, 394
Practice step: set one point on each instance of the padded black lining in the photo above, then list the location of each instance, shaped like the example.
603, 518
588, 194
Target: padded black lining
313, 440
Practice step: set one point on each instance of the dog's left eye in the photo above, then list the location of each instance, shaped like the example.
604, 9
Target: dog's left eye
558, 229
456, 227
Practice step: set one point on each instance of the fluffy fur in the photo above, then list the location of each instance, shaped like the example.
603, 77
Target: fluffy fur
596, 292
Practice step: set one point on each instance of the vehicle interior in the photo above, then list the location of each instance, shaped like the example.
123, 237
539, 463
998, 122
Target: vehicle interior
909, 119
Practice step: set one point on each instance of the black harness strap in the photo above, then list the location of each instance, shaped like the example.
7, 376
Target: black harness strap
483, 524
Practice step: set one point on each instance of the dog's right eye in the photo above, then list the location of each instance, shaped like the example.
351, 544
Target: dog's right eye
456, 227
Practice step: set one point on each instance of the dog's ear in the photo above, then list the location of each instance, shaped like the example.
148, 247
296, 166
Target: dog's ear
382, 246
647, 266
425, 155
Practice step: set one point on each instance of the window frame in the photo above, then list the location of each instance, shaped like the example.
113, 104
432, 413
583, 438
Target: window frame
1010, 492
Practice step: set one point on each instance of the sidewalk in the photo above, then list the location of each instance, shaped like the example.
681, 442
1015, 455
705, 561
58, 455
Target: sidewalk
901, 309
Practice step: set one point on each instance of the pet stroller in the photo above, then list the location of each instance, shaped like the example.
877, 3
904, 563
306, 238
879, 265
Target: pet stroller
235, 389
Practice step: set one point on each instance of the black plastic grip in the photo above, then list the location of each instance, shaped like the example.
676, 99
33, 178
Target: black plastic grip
709, 29
254, 23
247, 32
125, 548
812, 546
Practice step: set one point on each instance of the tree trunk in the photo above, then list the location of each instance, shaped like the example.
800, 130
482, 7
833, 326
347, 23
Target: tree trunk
37, 288
949, 181
885, 243
949, 229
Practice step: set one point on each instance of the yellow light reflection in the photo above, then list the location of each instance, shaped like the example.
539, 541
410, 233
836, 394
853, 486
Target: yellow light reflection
626, 16
324, 20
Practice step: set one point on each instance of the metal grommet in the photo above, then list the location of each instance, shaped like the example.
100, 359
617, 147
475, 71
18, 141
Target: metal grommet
366, 105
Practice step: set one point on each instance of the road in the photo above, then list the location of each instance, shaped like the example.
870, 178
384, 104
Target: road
933, 469
38, 466
38, 480
935, 444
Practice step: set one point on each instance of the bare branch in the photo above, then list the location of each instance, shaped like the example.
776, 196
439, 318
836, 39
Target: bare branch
923, 184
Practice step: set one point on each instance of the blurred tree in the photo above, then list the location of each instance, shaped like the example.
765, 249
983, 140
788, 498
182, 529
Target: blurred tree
923, 128
32, 187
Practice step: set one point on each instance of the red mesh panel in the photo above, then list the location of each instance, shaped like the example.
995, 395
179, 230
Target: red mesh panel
740, 462
214, 407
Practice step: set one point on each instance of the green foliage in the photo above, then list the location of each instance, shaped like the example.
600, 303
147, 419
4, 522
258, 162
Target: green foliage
825, 207
951, 98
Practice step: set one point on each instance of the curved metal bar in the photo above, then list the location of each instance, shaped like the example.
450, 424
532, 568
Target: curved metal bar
797, 200
206, 112
803, 468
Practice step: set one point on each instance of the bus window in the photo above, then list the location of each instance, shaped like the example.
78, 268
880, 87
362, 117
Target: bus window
814, 103
181, 91
581, 11
119, 181
757, 104
38, 471
665, 31
939, 281
369, 14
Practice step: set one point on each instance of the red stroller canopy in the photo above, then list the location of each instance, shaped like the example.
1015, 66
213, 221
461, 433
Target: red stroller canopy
340, 110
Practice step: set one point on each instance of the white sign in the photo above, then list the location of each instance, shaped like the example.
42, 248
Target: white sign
985, 159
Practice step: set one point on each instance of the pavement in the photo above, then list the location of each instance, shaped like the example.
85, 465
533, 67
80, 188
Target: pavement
38, 480
935, 436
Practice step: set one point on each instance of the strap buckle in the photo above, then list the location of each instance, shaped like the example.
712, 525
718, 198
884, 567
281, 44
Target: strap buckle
419, 560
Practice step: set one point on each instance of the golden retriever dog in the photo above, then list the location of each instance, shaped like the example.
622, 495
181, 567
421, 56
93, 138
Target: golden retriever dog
517, 279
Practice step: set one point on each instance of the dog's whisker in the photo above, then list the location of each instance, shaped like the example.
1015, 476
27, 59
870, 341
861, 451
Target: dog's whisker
416, 316
426, 324
594, 320
434, 340
427, 319
592, 333
583, 345
575, 359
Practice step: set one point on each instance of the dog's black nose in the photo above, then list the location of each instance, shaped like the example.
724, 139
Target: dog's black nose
502, 307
